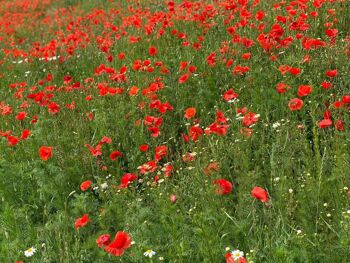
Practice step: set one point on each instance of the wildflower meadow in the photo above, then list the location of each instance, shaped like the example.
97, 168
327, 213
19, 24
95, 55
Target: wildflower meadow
177, 131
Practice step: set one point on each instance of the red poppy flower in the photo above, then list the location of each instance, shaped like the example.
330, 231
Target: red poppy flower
282, 87
211, 59
167, 169
94, 151
45, 152
240, 70
121, 55
294, 71
53, 108
331, 73
127, 179
103, 240
246, 56
184, 78
339, 125
331, 33
25, 134
220, 117
260, 15
295, 104
229, 259
21, 116
105, 139
225, 186
260, 193
121, 242
85, 185
283, 69
183, 65
5, 133
230, 95
249, 119
346, 99
327, 114
190, 113
195, 132
155, 131
325, 123
148, 167
326, 85
304, 90
161, 151
192, 69
113, 156
82, 221
152, 51
229, 63
12, 140
241, 110
5, 109
144, 147
133, 91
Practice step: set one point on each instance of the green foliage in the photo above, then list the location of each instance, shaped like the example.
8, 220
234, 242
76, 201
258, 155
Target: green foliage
305, 170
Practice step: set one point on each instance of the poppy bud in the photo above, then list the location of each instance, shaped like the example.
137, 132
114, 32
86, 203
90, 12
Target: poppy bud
173, 199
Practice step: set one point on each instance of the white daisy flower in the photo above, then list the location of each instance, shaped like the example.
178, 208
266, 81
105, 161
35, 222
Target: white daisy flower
237, 254
30, 252
104, 186
276, 125
149, 253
